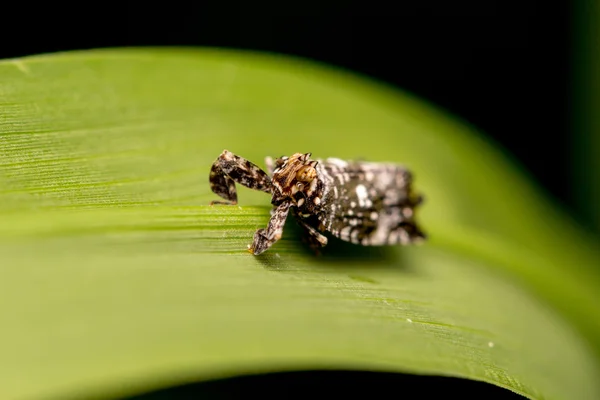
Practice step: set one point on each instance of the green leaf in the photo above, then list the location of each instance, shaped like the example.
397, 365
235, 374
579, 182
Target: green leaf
117, 276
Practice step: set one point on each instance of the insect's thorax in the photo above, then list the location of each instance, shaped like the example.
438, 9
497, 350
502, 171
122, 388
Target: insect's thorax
299, 179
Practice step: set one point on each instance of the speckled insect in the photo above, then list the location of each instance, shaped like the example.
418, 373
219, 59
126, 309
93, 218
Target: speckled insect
369, 204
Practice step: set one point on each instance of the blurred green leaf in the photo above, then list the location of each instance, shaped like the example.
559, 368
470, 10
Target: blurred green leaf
116, 276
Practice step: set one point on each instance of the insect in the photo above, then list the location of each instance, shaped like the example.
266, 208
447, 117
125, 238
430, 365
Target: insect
369, 204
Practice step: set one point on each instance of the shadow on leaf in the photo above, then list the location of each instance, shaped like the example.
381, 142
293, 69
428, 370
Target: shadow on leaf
337, 254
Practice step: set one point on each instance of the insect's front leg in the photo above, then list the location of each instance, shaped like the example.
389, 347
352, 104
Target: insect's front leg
265, 238
229, 169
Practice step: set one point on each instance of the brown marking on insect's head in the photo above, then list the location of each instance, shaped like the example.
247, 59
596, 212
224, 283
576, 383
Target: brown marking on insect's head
294, 174
306, 173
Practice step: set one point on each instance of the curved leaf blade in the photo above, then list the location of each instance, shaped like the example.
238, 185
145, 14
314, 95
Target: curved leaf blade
104, 158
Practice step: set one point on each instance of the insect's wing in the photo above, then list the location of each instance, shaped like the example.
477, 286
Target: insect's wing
370, 204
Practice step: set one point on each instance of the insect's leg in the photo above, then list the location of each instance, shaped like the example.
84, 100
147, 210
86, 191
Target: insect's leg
265, 238
222, 185
229, 169
270, 164
312, 236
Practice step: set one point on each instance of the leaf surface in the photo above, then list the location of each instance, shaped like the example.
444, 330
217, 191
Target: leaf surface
117, 276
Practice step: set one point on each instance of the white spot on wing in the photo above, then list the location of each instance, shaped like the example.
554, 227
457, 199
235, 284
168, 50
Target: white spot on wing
384, 227
404, 238
362, 195
345, 233
385, 179
393, 237
337, 162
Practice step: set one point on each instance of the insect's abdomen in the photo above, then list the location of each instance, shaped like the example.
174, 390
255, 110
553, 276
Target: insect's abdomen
369, 204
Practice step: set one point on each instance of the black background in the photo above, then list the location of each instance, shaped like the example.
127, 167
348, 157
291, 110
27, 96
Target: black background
502, 66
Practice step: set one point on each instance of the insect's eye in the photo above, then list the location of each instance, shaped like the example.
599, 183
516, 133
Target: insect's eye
280, 161
306, 174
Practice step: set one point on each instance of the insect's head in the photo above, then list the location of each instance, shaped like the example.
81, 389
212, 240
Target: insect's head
295, 176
